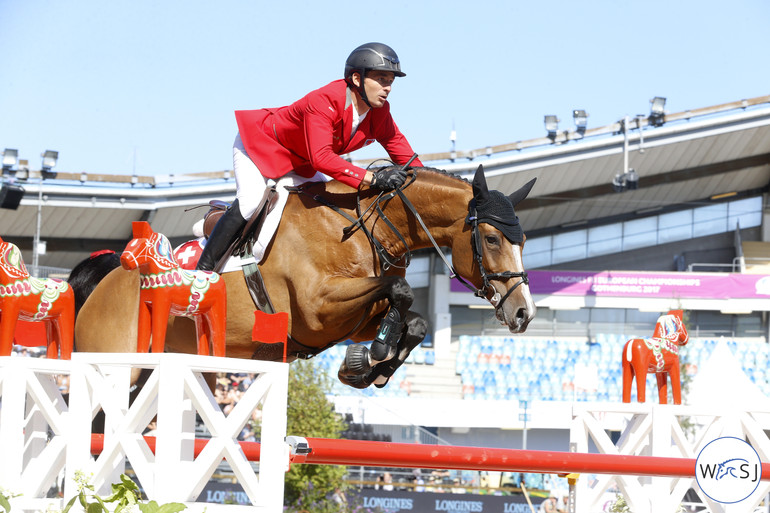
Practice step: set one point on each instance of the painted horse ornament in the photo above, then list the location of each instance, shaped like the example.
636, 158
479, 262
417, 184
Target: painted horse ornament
336, 265
659, 354
25, 297
168, 289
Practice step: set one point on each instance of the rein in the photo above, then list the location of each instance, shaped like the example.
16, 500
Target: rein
387, 261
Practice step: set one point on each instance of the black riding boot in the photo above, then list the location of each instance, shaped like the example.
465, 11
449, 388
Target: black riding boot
227, 229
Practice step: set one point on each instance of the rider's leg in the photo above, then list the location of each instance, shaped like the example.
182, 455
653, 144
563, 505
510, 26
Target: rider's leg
250, 187
227, 229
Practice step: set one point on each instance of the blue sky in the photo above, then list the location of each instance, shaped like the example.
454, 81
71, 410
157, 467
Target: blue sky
152, 85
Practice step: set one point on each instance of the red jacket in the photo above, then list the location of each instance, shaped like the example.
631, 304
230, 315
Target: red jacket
310, 135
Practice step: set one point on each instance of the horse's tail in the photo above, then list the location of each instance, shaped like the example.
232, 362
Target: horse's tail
88, 273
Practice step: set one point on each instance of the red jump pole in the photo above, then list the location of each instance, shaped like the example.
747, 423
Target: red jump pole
250, 449
327, 451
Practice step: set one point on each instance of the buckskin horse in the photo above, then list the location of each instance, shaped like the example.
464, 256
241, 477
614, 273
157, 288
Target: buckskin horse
336, 265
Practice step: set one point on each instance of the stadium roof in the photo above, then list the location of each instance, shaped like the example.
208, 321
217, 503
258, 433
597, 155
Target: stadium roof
692, 157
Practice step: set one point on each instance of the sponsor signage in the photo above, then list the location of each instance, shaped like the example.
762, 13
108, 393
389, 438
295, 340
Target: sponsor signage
395, 501
429, 502
642, 284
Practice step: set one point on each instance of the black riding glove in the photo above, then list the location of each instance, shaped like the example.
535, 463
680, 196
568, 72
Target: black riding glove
388, 178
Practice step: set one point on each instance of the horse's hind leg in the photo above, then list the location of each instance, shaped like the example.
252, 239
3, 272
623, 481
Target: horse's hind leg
413, 333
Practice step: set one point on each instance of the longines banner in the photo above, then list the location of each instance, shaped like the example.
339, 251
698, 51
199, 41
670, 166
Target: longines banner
395, 501
642, 284
428, 502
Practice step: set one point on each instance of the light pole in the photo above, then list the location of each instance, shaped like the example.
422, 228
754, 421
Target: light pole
49, 161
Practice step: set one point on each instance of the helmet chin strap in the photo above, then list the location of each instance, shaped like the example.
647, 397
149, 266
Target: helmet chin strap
361, 89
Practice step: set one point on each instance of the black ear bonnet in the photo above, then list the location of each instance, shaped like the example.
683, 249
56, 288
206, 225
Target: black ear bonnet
496, 209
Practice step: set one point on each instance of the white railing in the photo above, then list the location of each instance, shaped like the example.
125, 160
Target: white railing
654, 430
174, 392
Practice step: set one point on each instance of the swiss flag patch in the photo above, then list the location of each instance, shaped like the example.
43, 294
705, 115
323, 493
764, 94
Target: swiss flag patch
188, 254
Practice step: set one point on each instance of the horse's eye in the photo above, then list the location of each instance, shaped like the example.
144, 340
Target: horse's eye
491, 239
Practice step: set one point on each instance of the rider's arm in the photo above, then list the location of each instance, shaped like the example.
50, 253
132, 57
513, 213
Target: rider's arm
320, 119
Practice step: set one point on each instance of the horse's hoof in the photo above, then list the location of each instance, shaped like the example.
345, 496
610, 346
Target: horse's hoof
359, 381
356, 361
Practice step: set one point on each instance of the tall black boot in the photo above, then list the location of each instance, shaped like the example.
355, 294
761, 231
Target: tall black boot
227, 229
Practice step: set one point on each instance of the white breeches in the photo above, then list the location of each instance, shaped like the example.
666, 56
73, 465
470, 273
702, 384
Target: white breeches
249, 182
250, 188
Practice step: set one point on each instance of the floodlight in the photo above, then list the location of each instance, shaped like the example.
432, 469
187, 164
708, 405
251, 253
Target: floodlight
632, 180
619, 182
49, 161
10, 159
581, 120
551, 125
657, 111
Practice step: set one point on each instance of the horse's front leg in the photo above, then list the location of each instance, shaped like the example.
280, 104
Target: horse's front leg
413, 333
662, 378
360, 360
390, 331
676, 383
8, 316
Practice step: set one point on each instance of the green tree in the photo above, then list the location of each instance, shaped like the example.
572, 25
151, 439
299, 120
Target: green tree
310, 414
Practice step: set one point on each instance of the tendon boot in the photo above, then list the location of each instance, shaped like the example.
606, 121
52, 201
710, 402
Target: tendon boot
384, 344
225, 232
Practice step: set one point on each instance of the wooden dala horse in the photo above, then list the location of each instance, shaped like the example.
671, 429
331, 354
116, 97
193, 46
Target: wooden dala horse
335, 283
167, 289
659, 354
24, 297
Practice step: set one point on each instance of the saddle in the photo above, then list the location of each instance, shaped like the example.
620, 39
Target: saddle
244, 243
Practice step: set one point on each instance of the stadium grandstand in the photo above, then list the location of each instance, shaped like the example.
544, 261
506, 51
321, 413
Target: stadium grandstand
655, 212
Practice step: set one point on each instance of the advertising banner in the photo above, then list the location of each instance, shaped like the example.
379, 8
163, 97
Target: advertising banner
645, 284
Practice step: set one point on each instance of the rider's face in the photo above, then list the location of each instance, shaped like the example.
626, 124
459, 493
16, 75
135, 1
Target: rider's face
378, 85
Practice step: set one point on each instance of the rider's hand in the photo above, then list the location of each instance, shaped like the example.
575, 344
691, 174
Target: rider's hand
388, 178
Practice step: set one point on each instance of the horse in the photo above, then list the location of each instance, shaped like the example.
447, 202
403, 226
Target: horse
47, 300
659, 354
87, 274
336, 265
168, 289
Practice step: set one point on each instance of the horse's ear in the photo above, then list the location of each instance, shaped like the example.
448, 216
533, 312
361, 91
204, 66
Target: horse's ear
522, 193
480, 189
677, 313
141, 229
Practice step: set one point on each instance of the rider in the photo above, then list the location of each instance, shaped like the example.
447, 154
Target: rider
310, 135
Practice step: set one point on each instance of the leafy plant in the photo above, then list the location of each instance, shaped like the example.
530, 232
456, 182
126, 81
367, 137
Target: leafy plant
620, 505
5, 501
125, 494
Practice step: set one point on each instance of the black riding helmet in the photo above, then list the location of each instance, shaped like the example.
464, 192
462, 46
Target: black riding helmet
371, 56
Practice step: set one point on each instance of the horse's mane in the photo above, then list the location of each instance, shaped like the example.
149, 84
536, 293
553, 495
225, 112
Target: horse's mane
85, 276
338, 188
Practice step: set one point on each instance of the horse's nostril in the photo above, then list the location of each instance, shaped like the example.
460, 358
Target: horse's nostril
521, 313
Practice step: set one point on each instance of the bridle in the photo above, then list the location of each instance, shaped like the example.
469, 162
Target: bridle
388, 261
478, 255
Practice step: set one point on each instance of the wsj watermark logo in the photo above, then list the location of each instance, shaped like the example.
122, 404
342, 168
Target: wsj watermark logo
728, 470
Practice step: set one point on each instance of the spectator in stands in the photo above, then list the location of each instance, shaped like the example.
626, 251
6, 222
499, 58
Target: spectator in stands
387, 481
548, 505
339, 498
562, 505
418, 480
